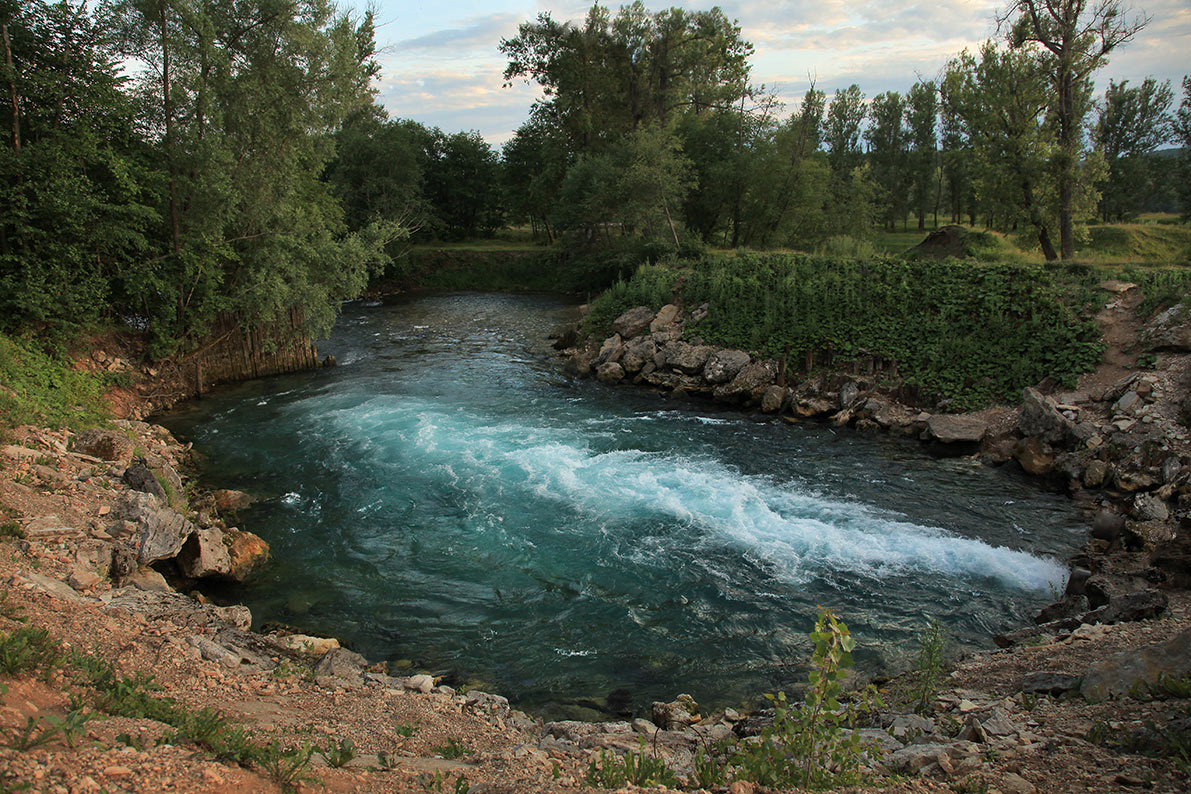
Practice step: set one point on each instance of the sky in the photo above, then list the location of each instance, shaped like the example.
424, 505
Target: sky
441, 64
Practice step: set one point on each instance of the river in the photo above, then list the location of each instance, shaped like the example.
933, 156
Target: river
446, 499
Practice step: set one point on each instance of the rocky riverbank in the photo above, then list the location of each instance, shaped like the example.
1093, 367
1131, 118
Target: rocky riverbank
1120, 442
96, 524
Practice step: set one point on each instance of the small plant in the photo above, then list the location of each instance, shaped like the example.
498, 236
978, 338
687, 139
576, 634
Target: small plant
71, 726
36, 732
929, 667
638, 769
10, 611
288, 766
451, 750
436, 783
128, 740
339, 755
11, 529
28, 650
405, 731
813, 745
970, 785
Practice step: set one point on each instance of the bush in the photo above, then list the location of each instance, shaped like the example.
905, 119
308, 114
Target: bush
36, 388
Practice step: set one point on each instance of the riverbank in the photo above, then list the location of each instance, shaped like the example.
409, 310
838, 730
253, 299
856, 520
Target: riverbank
1006, 720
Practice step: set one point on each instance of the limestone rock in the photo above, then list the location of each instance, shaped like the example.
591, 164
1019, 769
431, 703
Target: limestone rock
752, 377
1170, 330
611, 350
774, 399
723, 365
213, 651
486, 702
666, 317
1095, 473
1046, 682
159, 532
633, 322
139, 478
304, 643
610, 372
1149, 507
420, 683
1039, 417
637, 353
105, 445
1035, 455
229, 501
204, 554
247, 552
686, 358
342, 667
679, 713
956, 429
1117, 674
848, 394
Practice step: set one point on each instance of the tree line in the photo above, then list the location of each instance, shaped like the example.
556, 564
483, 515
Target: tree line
169, 161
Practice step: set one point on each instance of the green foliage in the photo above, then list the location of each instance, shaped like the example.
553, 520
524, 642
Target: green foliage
29, 650
928, 669
11, 529
36, 732
436, 782
36, 388
973, 333
405, 731
611, 771
452, 749
339, 755
815, 745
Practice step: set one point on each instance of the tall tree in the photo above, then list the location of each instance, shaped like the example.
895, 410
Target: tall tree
1076, 37
922, 111
841, 130
1182, 134
888, 140
1132, 123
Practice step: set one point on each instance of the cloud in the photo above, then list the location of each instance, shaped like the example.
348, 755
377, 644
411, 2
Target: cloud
475, 33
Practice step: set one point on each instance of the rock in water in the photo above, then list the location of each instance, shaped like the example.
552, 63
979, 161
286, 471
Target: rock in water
949, 429
247, 552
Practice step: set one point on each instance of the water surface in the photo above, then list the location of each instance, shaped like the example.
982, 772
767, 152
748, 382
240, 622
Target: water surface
447, 497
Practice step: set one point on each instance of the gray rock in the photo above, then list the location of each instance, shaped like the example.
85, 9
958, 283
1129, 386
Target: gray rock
633, 322
139, 478
637, 353
1117, 674
214, 652
420, 683
644, 726
774, 399
1148, 535
999, 724
204, 554
723, 365
956, 429
1149, 507
915, 757
611, 350
1138, 605
1170, 330
666, 317
145, 578
1046, 682
158, 532
1066, 607
1034, 455
752, 377
1013, 783
48, 584
848, 394
686, 358
904, 725
104, 444
1129, 403
342, 667
236, 615
610, 372
1039, 417
1107, 525
1095, 473
487, 703
679, 713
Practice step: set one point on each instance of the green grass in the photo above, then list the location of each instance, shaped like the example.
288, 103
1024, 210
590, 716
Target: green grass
36, 388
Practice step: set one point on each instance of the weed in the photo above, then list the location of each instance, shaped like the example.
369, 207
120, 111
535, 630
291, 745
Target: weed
128, 740
288, 766
10, 611
29, 650
814, 746
72, 725
639, 769
11, 529
36, 732
436, 783
339, 755
929, 668
970, 785
451, 750
405, 731
1168, 687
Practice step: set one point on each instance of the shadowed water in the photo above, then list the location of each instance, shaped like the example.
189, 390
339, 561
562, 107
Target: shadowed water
446, 496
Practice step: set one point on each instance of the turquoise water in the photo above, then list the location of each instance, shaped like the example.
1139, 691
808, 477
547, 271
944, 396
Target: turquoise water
447, 496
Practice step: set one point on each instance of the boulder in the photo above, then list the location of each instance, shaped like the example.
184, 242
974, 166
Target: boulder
304, 643
611, 350
246, 552
104, 444
666, 317
204, 554
229, 501
341, 667
1148, 535
633, 322
1107, 525
1095, 473
751, 378
1149, 507
723, 365
774, 399
848, 394
420, 683
145, 578
679, 713
956, 429
637, 353
1035, 455
610, 372
1170, 330
1046, 682
1039, 417
139, 478
686, 358
486, 702
236, 615
1120, 672
158, 532
1129, 403
565, 336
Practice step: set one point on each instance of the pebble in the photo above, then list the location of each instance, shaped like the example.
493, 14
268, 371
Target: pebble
117, 771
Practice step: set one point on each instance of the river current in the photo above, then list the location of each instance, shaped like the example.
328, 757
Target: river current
448, 500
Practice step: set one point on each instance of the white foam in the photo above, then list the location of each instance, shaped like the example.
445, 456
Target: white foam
784, 526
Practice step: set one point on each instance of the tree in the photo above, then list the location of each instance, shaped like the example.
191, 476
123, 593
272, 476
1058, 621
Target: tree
1182, 133
887, 139
534, 163
1132, 123
1076, 37
463, 185
922, 110
841, 130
